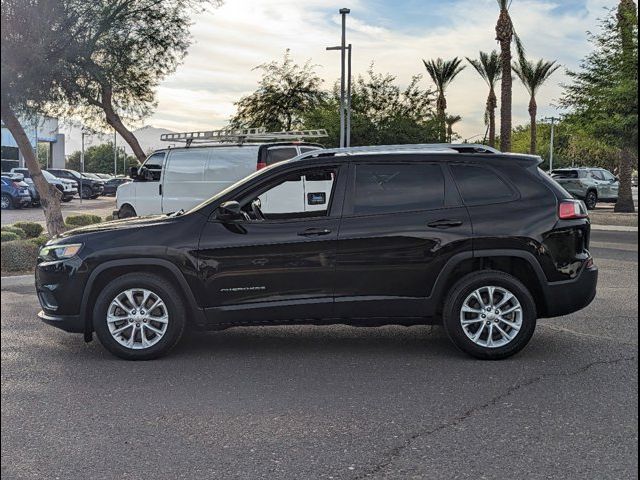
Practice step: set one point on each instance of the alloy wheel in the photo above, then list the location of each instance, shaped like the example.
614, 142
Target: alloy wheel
137, 318
491, 316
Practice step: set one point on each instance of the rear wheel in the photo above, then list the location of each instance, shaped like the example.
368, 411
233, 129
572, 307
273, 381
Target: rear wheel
6, 202
591, 200
139, 316
67, 199
490, 315
126, 211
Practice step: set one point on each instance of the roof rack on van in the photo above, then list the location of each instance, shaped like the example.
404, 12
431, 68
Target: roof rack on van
241, 135
419, 148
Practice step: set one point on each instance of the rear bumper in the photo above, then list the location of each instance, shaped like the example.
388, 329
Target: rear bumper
563, 298
68, 323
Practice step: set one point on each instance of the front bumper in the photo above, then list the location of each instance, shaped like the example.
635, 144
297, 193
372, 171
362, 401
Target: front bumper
68, 323
563, 298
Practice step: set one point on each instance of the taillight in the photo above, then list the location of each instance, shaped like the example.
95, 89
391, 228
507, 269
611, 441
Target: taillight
572, 209
17, 185
261, 165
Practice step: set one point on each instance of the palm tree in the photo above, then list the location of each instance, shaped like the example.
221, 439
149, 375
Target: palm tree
533, 75
489, 68
505, 34
451, 120
442, 72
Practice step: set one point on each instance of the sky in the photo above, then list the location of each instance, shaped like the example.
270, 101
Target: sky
228, 42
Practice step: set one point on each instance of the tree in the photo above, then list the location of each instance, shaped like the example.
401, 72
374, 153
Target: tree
603, 96
533, 75
125, 48
286, 90
383, 113
100, 159
505, 35
451, 120
32, 60
443, 72
489, 68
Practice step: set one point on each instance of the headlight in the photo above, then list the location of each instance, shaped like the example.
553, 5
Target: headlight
60, 252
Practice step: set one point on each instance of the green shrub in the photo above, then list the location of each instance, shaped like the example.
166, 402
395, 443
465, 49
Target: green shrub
12, 229
108, 218
39, 241
8, 236
18, 256
82, 220
31, 229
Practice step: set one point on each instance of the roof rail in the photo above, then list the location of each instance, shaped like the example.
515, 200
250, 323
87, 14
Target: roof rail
240, 135
409, 148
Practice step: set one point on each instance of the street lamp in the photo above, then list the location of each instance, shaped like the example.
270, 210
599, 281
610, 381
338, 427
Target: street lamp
553, 131
345, 103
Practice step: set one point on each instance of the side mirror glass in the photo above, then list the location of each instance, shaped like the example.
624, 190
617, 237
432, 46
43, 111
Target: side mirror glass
230, 211
133, 172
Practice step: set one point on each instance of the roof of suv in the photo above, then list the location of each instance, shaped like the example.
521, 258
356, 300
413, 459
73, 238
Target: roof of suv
422, 149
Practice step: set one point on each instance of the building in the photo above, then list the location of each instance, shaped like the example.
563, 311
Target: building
40, 130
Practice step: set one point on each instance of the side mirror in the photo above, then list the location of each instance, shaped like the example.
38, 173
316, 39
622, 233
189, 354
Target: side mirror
133, 172
230, 211
617, 179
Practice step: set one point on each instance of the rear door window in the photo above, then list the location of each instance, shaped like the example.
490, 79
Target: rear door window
481, 185
565, 174
382, 188
280, 154
597, 174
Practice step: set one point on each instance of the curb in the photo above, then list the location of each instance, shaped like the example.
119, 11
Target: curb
17, 281
613, 228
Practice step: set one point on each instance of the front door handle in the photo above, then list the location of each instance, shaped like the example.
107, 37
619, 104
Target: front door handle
445, 223
314, 232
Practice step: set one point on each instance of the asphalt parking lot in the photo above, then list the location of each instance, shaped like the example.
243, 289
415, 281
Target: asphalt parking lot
101, 206
331, 402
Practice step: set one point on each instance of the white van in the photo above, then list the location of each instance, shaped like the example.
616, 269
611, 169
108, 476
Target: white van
180, 178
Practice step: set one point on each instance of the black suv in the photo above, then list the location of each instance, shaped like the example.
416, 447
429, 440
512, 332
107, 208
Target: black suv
482, 242
87, 187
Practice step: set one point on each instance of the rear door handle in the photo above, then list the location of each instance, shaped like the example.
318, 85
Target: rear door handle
314, 232
445, 223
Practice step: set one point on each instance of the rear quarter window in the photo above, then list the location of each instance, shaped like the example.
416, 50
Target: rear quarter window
480, 185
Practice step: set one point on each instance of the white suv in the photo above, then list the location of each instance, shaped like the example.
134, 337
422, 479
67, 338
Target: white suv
68, 188
180, 178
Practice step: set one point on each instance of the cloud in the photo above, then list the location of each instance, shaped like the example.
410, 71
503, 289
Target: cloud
231, 40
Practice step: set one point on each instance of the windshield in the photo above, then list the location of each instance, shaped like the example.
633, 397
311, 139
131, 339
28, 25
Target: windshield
48, 176
233, 187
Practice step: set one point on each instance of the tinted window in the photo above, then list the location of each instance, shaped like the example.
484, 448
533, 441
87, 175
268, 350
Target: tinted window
24, 172
275, 155
565, 174
309, 149
480, 185
388, 188
597, 175
608, 176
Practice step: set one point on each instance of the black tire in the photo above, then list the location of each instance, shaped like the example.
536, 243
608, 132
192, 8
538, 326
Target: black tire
591, 200
465, 287
87, 193
126, 211
160, 287
93, 197
67, 199
7, 202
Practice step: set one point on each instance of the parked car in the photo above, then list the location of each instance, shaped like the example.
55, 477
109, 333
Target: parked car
111, 186
592, 185
87, 187
104, 176
68, 188
15, 193
407, 235
180, 178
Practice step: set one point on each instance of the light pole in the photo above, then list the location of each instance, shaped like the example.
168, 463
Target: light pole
81, 161
115, 153
345, 118
553, 131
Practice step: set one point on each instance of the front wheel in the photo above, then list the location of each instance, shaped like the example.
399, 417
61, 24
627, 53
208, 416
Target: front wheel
126, 211
87, 193
139, 316
490, 315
